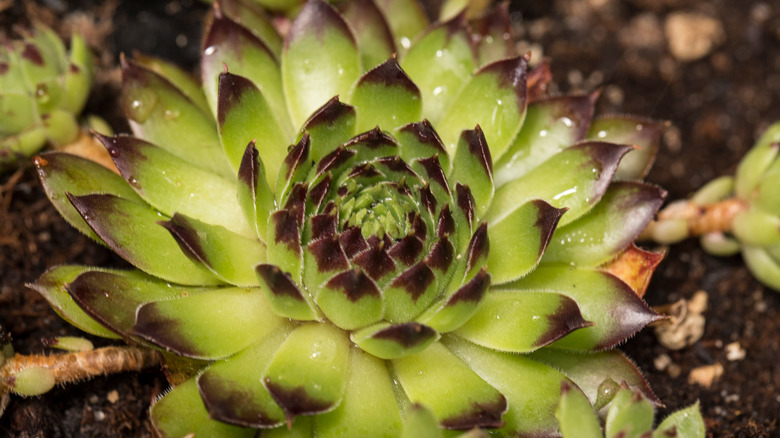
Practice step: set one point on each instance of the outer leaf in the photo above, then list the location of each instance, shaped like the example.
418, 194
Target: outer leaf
575, 178
623, 212
63, 173
684, 423
233, 398
420, 423
211, 325
310, 71
178, 77
440, 82
629, 416
172, 185
255, 20
641, 132
576, 415
495, 99
427, 379
531, 389
386, 97
161, 114
166, 416
516, 253
406, 18
308, 373
283, 295
494, 30
550, 126
131, 230
374, 38
51, 286
369, 407
603, 299
521, 322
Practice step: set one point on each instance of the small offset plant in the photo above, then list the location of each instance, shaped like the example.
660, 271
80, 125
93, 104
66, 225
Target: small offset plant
43, 88
357, 227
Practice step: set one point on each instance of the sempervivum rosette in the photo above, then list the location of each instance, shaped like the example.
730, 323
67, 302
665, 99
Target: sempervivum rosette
327, 234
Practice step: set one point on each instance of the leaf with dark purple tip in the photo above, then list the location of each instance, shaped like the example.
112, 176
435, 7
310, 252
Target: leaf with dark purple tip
131, 230
495, 99
284, 295
329, 127
541, 318
386, 97
473, 167
374, 38
254, 193
478, 249
409, 293
623, 212
254, 19
284, 242
454, 310
419, 140
375, 262
406, 19
615, 310
550, 126
243, 116
321, 260
441, 63
311, 73
353, 242
209, 325
641, 132
390, 341
494, 30
351, 300
294, 168
178, 77
575, 178
427, 378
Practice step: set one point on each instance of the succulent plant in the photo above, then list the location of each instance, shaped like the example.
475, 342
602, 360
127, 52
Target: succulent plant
42, 90
366, 215
735, 214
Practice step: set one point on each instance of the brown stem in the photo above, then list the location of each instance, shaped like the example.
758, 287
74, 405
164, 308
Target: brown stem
72, 367
701, 219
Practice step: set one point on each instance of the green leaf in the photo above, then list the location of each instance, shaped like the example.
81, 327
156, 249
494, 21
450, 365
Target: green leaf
440, 82
623, 212
473, 167
532, 389
178, 77
419, 140
603, 299
575, 414
62, 173
629, 416
209, 325
229, 256
243, 116
768, 197
420, 423
51, 286
643, 133
756, 227
763, 264
386, 97
372, 32
390, 341
407, 20
755, 163
495, 99
130, 229
550, 126
427, 379
351, 300
369, 407
320, 59
329, 127
160, 113
255, 20
232, 390
540, 317
493, 34
308, 373
166, 415
575, 178
684, 423
172, 185
283, 294
410, 293
79, 75
517, 252
254, 192
454, 310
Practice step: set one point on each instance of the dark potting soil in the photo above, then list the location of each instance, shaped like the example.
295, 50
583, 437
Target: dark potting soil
712, 68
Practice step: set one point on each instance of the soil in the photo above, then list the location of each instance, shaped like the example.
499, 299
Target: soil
712, 71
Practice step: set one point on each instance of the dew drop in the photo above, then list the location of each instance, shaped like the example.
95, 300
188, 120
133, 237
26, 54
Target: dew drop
640, 127
602, 134
133, 182
172, 114
113, 151
543, 133
567, 121
439, 53
210, 50
42, 93
142, 103
437, 91
405, 42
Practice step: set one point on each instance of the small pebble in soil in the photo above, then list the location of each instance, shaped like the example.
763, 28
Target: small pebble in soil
113, 396
734, 351
685, 325
100, 415
692, 36
705, 375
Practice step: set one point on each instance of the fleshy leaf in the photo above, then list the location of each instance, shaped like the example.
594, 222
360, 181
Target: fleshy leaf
229, 256
308, 373
427, 379
515, 253
449, 45
255, 20
629, 416
575, 178
231, 397
763, 264
388, 341
410, 293
473, 167
61, 173
752, 167
550, 126
166, 416
210, 325
160, 113
603, 299
130, 229
244, 115
458, 307
406, 18
635, 267
575, 414
420, 423
419, 140
351, 300
311, 74
374, 38
254, 192
495, 99
684, 423
369, 407
641, 132
623, 212
178, 77
172, 185
386, 97
283, 295
494, 30
531, 389
540, 318
51, 286
330, 126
